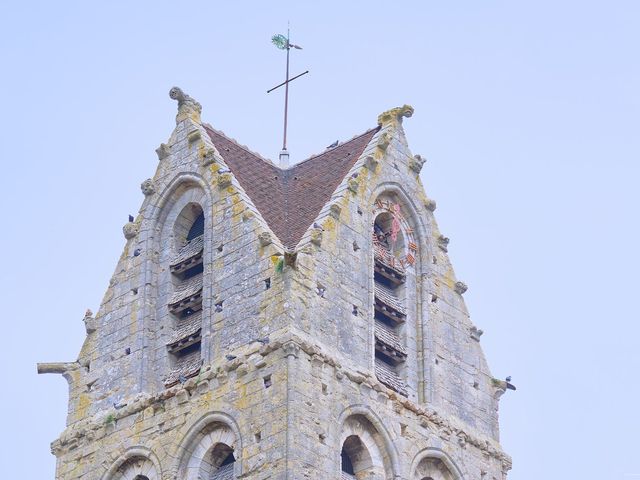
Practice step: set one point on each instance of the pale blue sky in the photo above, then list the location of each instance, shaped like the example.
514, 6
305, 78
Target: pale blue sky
528, 114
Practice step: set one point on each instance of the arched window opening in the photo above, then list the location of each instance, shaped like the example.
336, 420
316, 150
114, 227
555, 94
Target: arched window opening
222, 462
211, 455
363, 451
136, 468
431, 468
391, 260
185, 305
197, 228
347, 464
189, 243
356, 459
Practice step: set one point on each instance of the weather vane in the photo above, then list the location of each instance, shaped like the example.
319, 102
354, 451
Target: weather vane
284, 43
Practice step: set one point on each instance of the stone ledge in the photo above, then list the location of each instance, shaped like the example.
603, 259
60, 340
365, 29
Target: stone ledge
96, 427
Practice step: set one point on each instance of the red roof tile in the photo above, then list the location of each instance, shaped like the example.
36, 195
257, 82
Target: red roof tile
290, 200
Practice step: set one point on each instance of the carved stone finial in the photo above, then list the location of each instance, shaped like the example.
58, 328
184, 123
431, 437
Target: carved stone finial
430, 204
89, 322
316, 236
130, 230
460, 287
148, 187
265, 239
371, 163
416, 162
163, 151
335, 210
353, 185
443, 243
187, 106
209, 157
383, 141
224, 179
395, 115
475, 333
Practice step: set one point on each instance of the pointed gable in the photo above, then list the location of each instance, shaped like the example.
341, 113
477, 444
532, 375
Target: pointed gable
290, 200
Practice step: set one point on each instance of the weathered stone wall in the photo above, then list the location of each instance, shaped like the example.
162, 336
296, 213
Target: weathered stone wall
445, 366
327, 393
126, 354
296, 424
288, 365
161, 425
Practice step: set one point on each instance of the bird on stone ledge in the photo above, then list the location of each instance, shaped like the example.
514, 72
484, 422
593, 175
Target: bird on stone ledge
333, 145
510, 386
230, 357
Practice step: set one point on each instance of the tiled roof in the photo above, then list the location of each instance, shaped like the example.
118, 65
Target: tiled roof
191, 249
289, 200
187, 327
386, 296
390, 378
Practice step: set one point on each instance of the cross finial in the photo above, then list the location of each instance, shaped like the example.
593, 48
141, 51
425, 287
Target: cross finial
284, 43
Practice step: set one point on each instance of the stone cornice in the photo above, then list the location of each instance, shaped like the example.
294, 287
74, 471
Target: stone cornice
290, 344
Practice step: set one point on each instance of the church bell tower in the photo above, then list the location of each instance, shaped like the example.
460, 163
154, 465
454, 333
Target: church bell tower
282, 323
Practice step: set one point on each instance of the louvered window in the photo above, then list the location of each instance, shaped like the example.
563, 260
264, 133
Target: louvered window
185, 305
390, 310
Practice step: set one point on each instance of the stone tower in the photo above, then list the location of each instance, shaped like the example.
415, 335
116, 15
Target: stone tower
291, 324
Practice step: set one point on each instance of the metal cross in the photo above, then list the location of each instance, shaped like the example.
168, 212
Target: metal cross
283, 43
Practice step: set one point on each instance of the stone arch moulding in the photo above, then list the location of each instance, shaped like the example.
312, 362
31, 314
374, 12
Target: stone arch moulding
186, 193
175, 193
201, 439
174, 197
148, 465
416, 214
421, 221
388, 447
431, 453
